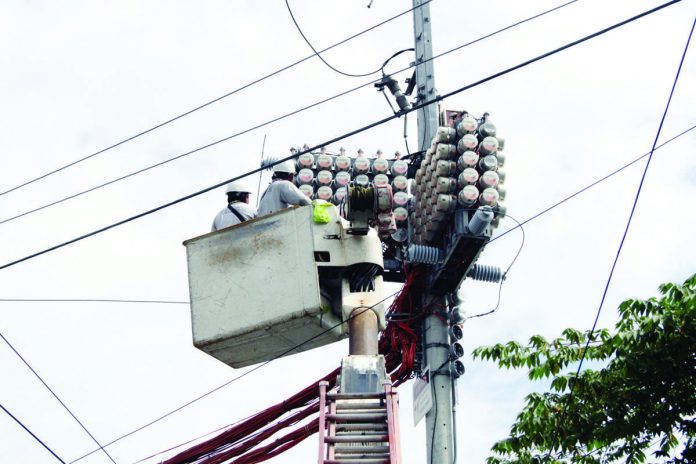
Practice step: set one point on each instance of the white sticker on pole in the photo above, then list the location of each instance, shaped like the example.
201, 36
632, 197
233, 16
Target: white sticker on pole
422, 396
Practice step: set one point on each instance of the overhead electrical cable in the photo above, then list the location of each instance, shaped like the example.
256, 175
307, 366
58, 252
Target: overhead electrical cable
31, 433
215, 100
271, 121
518, 225
623, 239
345, 135
602, 179
26, 363
219, 387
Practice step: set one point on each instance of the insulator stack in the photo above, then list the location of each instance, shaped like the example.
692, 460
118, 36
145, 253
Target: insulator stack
485, 273
423, 254
460, 170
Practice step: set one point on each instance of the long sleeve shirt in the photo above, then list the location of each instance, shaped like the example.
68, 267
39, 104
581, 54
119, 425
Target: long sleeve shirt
279, 195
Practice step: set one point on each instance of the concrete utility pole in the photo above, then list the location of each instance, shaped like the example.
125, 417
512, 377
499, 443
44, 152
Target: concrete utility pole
439, 420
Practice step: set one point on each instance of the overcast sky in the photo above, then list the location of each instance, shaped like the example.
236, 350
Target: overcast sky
78, 76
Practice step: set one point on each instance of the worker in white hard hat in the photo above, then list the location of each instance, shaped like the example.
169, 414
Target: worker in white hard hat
282, 192
238, 208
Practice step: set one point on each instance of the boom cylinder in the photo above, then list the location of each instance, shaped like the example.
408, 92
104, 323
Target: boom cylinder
364, 330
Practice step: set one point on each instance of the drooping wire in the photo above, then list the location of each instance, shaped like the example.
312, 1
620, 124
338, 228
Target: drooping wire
26, 363
266, 123
229, 382
31, 433
502, 280
346, 135
318, 54
623, 238
215, 100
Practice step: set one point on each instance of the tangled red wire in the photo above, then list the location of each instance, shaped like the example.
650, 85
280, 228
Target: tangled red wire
243, 440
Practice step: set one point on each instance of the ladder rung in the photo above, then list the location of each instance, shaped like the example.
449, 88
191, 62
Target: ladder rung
359, 433
354, 396
357, 438
357, 461
348, 427
361, 411
343, 449
368, 417
340, 406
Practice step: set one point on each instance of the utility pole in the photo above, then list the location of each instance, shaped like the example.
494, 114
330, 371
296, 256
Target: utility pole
439, 420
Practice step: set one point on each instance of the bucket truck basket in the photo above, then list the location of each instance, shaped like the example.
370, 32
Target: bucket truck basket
280, 284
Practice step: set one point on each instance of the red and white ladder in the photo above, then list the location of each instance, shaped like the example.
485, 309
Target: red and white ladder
358, 428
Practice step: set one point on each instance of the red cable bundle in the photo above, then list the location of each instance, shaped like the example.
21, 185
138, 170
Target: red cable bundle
250, 432
399, 341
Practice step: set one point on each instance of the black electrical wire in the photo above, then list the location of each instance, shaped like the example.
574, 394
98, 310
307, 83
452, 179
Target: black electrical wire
26, 363
345, 135
573, 195
200, 397
519, 225
623, 238
286, 115
318, 54
32, 433
215, 100
502, 280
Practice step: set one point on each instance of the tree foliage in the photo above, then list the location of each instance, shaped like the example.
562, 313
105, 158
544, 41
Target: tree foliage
644, 398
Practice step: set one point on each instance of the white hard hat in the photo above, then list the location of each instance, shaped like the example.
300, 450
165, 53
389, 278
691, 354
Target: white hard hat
237, 186
286, 167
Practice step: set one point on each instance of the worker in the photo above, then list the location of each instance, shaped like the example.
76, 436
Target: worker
282, 192
238, 208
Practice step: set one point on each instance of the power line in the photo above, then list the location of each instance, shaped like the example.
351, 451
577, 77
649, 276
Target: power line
573, 195
518, 225
32, 433
56, 396
215, 100
200, 397
276, 119
623, 239
345, 135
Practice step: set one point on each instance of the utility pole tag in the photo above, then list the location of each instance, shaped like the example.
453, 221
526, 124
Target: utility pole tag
422, 396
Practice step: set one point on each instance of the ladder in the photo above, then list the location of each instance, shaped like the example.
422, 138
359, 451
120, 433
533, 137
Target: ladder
358, 428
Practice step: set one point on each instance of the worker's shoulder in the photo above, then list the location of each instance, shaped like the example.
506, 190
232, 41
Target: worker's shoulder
245, 207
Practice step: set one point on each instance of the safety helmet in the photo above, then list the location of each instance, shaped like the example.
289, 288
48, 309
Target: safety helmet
237, 186
287, 167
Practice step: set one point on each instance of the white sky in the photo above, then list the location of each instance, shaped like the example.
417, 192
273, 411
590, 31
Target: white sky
78, 76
